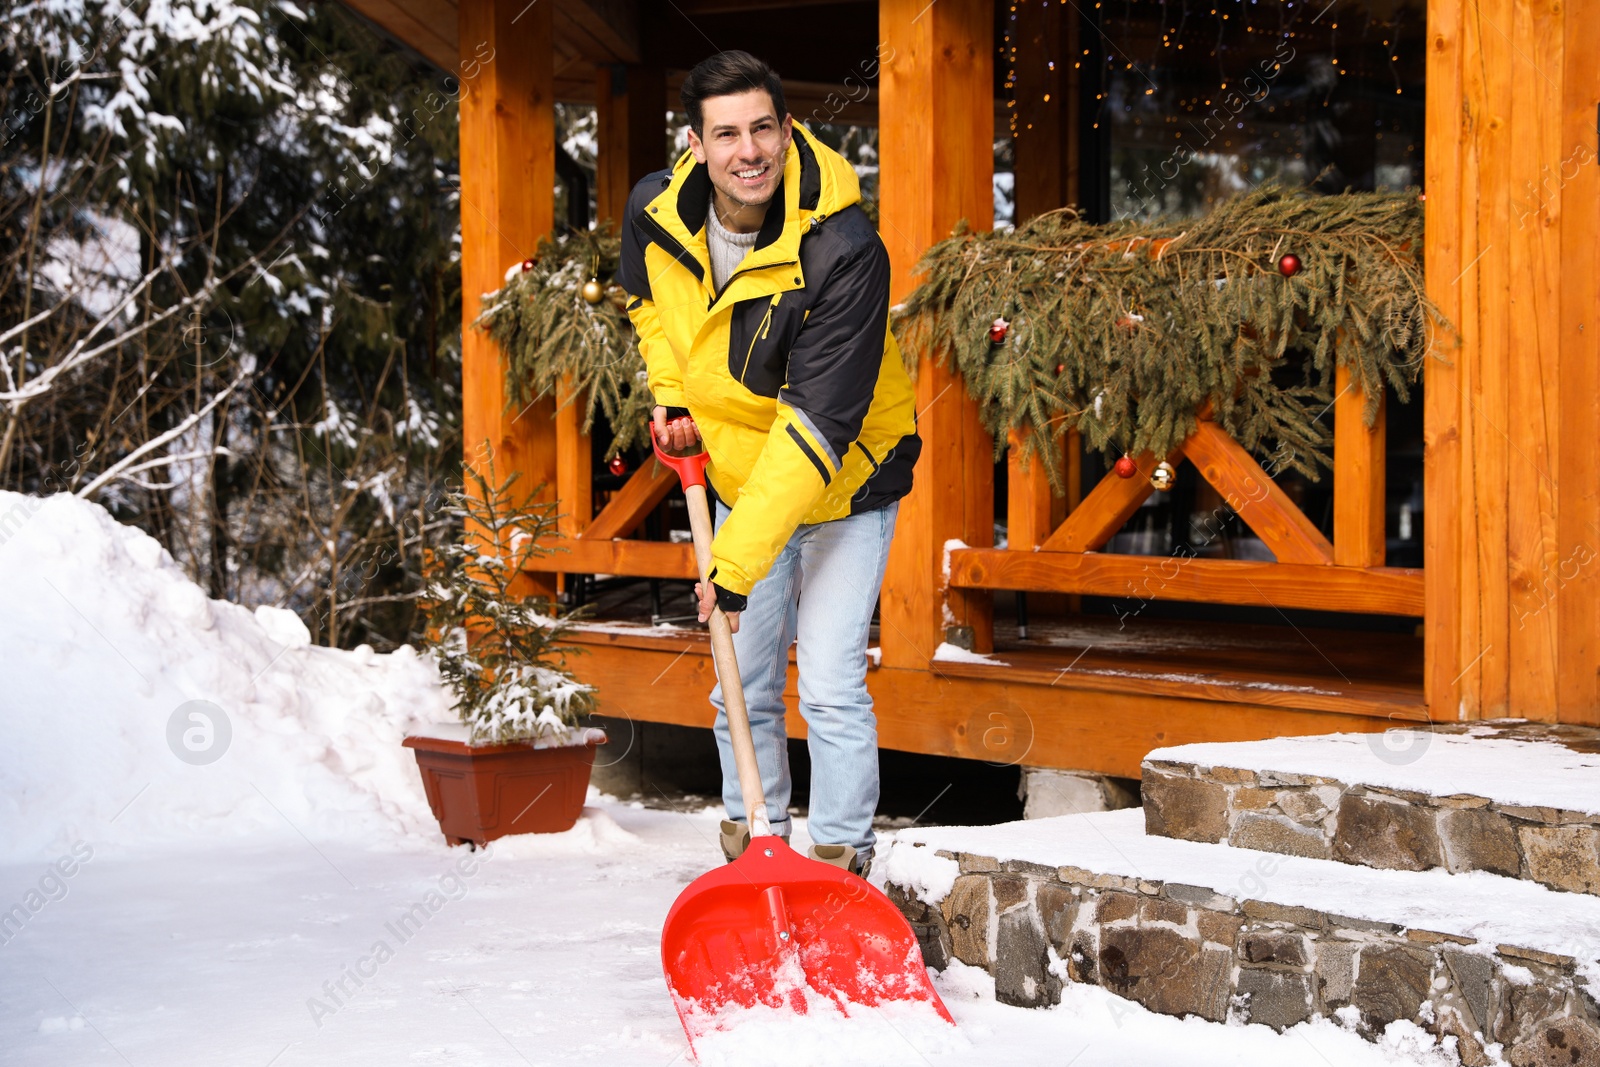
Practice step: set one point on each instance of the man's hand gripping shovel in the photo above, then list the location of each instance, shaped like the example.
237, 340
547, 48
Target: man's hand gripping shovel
773, 927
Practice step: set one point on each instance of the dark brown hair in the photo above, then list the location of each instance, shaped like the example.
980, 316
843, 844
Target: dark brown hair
728, 74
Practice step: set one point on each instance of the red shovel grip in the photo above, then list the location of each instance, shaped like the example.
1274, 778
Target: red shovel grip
691, 468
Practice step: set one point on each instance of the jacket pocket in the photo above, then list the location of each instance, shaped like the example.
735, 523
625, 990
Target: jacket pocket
758, 343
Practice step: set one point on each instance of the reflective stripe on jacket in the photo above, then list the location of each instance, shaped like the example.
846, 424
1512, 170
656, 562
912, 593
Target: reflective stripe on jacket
790, 372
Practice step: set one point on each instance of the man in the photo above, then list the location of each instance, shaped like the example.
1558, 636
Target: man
760, 292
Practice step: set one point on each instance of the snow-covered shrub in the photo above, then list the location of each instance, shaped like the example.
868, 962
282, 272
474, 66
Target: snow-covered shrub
498, 651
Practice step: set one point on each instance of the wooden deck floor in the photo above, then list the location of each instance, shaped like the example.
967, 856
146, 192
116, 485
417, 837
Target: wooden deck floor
1082, 694
1333, 670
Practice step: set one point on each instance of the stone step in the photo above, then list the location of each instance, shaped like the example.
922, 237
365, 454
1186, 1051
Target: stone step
1237, 935
1508, 797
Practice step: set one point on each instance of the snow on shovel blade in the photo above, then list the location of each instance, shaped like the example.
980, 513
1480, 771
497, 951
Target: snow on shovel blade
775, 929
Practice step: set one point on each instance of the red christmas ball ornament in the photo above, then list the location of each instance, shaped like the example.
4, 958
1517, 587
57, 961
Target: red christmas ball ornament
1061, 368
618, 465
1125, 467
527, 265
997, 331
1289, 265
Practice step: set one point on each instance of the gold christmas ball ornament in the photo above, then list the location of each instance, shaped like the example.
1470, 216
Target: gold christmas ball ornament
1163, 476
593, 291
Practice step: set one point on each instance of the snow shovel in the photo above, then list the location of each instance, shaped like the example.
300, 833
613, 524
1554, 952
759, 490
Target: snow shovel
773, 928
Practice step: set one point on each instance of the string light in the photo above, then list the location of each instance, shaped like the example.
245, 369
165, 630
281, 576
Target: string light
1217, 35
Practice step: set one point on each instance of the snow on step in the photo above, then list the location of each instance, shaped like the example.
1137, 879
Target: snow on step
1487, 964
1516, 763
1507, 797
1480, 906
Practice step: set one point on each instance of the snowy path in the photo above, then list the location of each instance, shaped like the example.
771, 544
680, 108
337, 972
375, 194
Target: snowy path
167, 905
546, 953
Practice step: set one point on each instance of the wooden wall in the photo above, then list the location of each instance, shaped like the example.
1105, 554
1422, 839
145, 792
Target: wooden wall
1513, 421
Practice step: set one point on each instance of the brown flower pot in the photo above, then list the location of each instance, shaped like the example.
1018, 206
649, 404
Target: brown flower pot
482, 792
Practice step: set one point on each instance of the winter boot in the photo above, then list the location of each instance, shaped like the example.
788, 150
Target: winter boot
735, 838
843, 857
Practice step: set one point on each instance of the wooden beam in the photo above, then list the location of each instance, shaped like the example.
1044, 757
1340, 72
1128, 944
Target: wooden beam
428, 26
1378, 590
638, 559
574, 455
1046, 96
605, 31
727, 7
1532, 350
1042, 725
631, 109
507, 124
1359, 455
935, 103
1267, 690
1107, 508
629, 506
1577, 603
1511, 233
1027, 497
1256, 498
1445, 628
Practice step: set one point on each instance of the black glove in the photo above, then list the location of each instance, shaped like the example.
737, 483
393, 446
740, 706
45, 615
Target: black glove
728, 602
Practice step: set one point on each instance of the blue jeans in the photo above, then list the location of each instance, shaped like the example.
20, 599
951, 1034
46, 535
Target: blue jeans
821, 590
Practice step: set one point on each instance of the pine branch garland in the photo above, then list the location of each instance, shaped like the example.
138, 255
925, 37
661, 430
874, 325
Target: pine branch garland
1121, 331
1124, 331
550, 334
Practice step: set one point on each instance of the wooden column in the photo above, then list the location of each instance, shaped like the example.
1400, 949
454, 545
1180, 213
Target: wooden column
1578, 377
936, 131
1512, 425
631, 106
1046, 143
507, 203
1359, 479
1045, 173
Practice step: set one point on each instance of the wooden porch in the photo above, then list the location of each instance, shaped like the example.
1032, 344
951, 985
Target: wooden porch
1507, 619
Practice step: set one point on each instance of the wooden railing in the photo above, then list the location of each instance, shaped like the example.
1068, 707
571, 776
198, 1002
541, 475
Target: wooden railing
1307, 572
601, 545
1046, 556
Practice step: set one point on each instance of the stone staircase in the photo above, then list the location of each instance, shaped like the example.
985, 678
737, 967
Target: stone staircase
1511, 798
1444, 877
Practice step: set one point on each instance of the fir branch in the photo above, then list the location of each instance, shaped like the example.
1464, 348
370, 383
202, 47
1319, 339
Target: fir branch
551, 337
1122, 331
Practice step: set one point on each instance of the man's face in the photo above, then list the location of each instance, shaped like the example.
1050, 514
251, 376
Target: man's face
744, 145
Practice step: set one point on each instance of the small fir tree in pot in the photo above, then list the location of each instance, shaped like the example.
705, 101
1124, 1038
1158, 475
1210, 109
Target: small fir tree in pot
500, 652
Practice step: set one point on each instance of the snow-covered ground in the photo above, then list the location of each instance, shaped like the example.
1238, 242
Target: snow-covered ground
255, 879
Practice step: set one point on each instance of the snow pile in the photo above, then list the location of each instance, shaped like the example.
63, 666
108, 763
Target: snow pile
899, 1033
136, 711
948, 653
922, 870
809, 1027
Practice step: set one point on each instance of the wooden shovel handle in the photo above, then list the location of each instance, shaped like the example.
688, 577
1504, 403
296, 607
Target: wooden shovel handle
727, 664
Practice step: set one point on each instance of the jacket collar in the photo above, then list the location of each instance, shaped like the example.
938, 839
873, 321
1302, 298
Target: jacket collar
816, 181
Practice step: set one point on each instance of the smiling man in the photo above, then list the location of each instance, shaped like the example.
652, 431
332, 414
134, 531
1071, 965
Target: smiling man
760, 292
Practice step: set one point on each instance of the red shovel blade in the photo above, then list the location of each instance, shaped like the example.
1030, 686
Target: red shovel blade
773, 925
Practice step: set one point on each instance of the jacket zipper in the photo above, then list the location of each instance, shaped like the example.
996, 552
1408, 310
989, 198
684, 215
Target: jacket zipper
747, 270
760, 334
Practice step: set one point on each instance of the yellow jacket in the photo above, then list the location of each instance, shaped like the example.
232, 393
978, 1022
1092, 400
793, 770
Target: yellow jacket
790, 373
